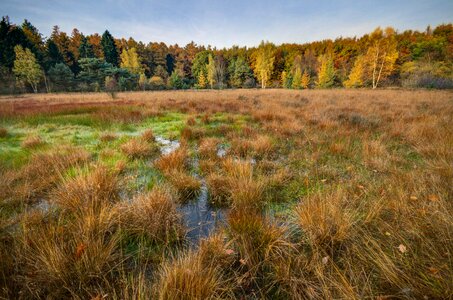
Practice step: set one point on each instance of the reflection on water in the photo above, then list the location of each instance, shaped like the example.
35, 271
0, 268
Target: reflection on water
200, 217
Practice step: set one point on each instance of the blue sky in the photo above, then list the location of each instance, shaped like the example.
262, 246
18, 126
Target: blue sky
227, 23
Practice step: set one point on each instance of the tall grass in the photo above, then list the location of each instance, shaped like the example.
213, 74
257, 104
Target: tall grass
327, 195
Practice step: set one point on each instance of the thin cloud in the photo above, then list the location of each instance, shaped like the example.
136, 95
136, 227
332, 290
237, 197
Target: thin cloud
227, 23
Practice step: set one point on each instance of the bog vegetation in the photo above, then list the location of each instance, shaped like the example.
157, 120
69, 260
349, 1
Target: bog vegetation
78, 62
310, 194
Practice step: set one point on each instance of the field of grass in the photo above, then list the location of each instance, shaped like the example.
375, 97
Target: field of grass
249, 194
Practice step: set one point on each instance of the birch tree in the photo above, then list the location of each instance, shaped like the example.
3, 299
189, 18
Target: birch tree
264, 62
26, 68
381, 55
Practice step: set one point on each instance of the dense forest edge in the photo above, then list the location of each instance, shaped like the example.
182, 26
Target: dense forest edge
30, 62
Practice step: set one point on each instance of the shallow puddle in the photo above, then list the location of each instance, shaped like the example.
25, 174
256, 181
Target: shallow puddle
167, 146
200, 217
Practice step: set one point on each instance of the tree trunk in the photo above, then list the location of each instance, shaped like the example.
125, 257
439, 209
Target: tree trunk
375, 62
380, 70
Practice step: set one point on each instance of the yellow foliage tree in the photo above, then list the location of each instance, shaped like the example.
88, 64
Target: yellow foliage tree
264, 62
326, 72
305, 81
211, 71
131, 61
381, 55
202, 82
355, 78
297, 79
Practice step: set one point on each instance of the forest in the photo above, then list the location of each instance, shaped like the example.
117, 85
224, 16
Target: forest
30, 62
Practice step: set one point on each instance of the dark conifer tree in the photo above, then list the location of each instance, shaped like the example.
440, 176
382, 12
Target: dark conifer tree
109, 48
85, 49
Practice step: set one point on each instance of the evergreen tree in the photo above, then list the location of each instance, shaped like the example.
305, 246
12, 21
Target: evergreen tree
35, 40
10, 36
175, 81
85, 48
53, 55
109, 48
241, 72
326, 72
26, 68
61, 77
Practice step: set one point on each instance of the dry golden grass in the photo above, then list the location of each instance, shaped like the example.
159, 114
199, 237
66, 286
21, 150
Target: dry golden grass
152, 215
188, 278
208, 148
174, 161
323, 220
219, 189
39, 175
366, 176
148, 136
91, 190
139, 148
187, 186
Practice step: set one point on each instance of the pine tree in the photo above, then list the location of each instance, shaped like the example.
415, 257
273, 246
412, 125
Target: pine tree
26, 68
326, 72
109, 48
53, 55
85, 48
305, 81
61, 77
355, 78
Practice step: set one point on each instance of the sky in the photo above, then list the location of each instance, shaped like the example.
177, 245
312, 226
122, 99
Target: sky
226, 23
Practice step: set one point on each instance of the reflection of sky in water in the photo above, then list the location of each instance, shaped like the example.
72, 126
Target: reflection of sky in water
200, 217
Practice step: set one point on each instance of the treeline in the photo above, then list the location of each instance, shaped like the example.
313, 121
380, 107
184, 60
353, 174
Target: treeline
77, 62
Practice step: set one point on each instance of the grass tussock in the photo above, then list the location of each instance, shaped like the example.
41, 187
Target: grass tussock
152, 215
148, 136
208, 148
174, 161
188, 278
138, 148
187, 186
92, 189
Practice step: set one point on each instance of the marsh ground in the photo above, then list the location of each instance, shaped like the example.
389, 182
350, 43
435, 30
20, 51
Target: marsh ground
227, 194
